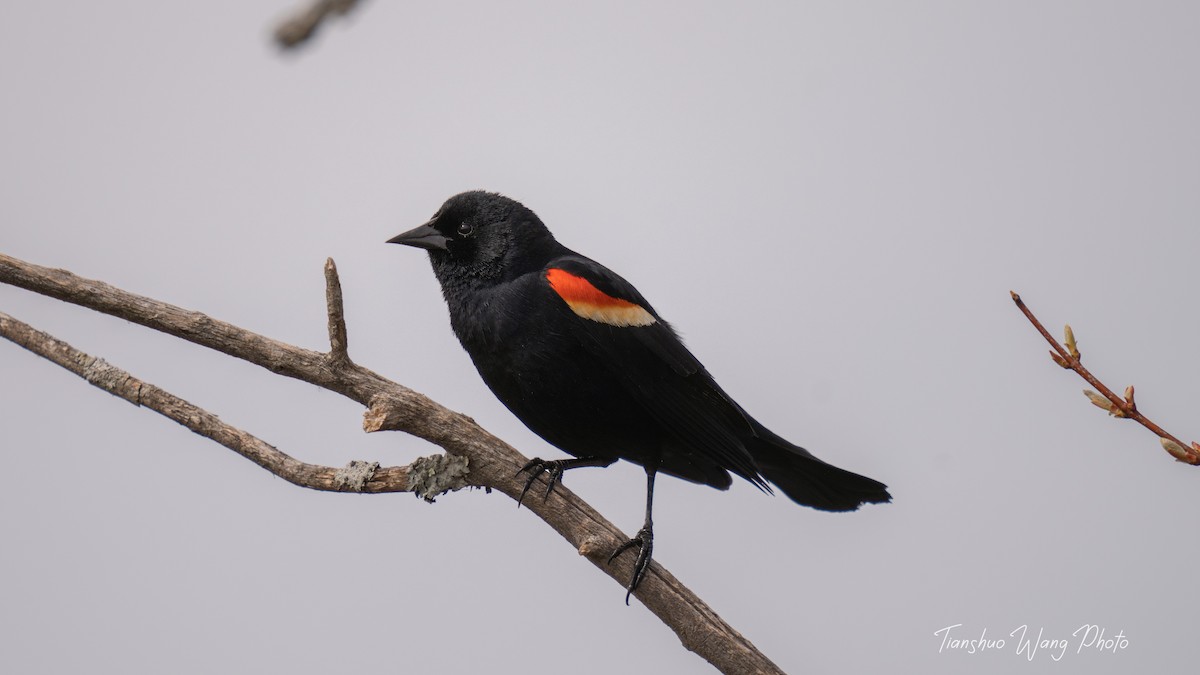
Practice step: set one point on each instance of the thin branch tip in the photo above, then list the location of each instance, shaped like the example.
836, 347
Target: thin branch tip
1122, 407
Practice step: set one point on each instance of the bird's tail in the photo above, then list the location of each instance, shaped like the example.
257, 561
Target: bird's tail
810, 481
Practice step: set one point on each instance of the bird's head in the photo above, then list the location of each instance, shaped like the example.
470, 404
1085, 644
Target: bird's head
484, 236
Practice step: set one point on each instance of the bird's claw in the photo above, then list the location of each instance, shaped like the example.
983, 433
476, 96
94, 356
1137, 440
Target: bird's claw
644, 540
536, 467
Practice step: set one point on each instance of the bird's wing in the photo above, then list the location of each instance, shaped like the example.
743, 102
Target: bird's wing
616, 324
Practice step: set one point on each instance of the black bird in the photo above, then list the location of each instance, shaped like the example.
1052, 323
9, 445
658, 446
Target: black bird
577, 354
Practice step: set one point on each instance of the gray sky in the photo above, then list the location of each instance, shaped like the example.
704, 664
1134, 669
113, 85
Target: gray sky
831, 201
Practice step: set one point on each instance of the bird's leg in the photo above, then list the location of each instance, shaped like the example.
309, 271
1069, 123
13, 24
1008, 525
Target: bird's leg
644, 539
537, 466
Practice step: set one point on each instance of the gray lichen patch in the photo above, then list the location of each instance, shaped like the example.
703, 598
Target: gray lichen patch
99, 372
354, 476
436, 475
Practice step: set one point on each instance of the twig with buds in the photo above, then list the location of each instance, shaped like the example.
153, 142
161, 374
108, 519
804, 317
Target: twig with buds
1124, 407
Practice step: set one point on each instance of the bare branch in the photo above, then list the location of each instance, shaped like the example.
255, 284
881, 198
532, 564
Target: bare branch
304, 24
484, 460
120, 383
1118, 406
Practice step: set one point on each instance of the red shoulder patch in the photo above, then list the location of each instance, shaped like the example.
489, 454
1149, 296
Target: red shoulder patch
592, 303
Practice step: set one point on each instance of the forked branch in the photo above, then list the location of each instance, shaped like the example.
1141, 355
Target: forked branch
356, 477
1068, 356
474, 457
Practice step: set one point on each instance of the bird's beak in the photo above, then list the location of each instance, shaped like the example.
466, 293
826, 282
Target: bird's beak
426, 236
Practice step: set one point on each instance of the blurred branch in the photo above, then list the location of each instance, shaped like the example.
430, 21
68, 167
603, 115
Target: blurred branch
474, 457
302, 25
1068, 356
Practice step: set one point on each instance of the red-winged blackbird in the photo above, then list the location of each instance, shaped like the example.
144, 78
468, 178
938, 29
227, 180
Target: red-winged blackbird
577, 354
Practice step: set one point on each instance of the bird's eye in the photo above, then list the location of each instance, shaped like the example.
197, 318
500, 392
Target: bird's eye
465, 228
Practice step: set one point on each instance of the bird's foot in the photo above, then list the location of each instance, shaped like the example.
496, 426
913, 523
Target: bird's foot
536, 467
554, 470
644, 540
